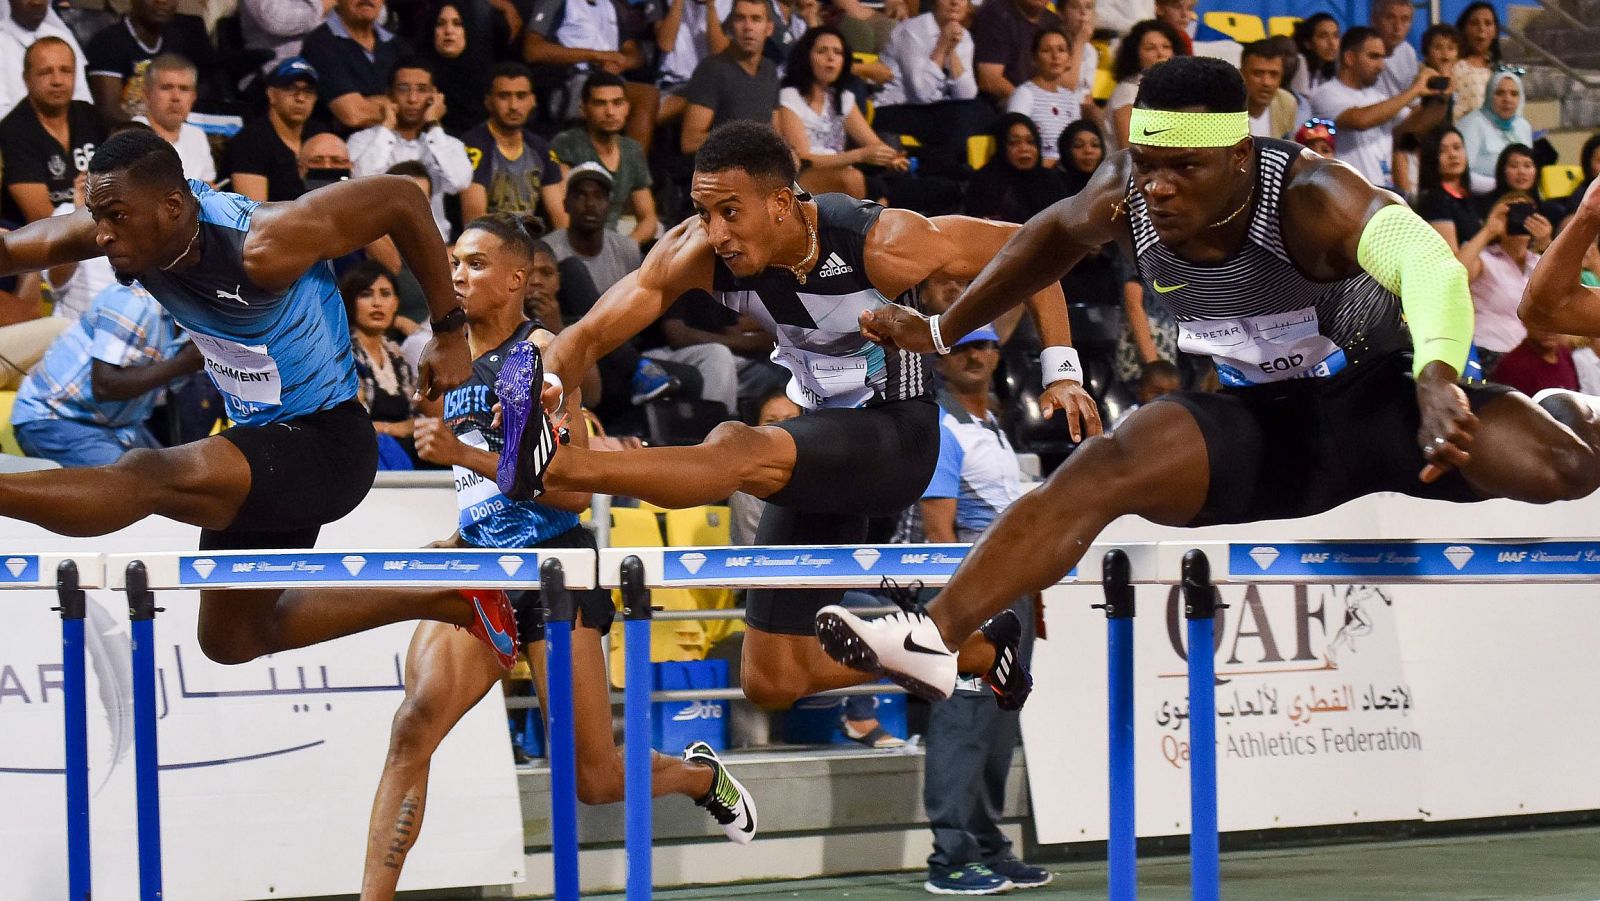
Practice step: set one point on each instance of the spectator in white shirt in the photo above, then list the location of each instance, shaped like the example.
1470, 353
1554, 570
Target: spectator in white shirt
280, 25
411, 132
28, 21
683, 36
1050, 98
1365, 116
589, 37
932, 93
819, 118
170, 85
1391, 19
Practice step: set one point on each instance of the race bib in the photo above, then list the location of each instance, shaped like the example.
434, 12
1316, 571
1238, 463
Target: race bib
824, 380
243, 372
1254, 350
477, 498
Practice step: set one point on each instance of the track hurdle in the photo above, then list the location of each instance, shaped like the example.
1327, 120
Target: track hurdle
141, 575
856, 566
68, 574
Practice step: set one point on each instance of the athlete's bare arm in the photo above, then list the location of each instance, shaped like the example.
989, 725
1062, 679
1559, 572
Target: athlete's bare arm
906, 247
1035, 257
681, 261
288, 238
1326, 206
1554, 300
48, 242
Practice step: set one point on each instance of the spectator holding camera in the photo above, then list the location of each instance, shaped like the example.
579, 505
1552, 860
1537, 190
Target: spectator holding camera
1499, 262
1516, 172
1365, 115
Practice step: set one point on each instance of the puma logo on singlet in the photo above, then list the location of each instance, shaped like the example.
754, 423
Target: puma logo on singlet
1168, 289
223, 295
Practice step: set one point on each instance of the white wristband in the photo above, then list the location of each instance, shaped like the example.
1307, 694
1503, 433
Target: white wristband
938, 339
551, 378
1058, 363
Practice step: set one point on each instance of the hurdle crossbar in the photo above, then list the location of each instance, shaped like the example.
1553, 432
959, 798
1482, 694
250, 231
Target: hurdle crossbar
429, 568
1393, 561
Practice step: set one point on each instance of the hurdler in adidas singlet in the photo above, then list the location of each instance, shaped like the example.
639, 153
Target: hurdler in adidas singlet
489, 519
869, 440
282, 361
1318, 405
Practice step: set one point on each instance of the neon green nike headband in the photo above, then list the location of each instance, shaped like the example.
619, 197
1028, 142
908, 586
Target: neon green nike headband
1168, 128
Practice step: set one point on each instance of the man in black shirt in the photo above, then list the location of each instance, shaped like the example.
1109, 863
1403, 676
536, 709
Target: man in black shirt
47, 140
354, 58
738, 83
119, 54
264, 151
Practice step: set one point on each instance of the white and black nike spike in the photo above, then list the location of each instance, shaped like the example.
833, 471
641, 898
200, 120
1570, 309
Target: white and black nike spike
728, 802
905, 647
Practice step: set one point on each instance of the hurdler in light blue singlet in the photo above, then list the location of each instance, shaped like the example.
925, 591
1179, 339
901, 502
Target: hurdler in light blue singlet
274, 356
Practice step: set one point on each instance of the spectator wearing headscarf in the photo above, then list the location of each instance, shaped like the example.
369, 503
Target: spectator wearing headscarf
1497, 124
1014, 185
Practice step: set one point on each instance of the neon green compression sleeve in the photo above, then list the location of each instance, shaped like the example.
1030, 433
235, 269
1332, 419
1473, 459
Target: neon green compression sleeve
1404, 254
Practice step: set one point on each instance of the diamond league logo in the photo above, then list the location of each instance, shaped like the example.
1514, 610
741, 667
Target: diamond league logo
353, 564
692, 561
510, 563
203, 567
1264, 556
1458, 555
15, 566
866, 557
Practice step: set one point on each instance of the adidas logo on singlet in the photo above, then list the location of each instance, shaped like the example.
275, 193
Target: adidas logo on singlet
834, 266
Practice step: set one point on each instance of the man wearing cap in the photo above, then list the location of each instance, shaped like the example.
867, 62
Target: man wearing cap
1339, 323
1318, 136
607, 254
265, 151
971, 737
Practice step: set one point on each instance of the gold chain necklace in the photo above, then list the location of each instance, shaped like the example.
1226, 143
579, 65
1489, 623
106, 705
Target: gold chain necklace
186, 250
799, 269
1235, 214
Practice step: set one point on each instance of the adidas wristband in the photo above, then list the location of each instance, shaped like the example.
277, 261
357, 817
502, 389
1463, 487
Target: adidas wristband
1058, 363
938, 339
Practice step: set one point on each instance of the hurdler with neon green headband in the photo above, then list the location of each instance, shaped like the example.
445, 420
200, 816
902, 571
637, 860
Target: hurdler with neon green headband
1339, 324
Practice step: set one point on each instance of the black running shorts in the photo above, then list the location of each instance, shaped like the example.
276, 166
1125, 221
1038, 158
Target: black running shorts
1301, 447
304, 473
592, 605
850, 465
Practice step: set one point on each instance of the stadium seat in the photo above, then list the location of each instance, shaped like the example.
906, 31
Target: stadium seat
678, 641
1282, 26
1104, 84
1556, 182
1241, 27
979, 149
706, 527
8, 438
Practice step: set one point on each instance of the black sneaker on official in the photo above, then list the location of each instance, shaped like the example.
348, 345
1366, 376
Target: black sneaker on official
1009, 680
728, 802
1022, 874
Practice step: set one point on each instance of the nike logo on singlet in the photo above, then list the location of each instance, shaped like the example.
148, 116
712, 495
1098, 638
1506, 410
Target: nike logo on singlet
223, 295
1168, 289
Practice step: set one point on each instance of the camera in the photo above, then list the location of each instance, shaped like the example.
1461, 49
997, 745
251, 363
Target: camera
1517, 218
1438, 83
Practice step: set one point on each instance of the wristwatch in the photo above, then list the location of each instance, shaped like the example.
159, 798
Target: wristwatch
451, 321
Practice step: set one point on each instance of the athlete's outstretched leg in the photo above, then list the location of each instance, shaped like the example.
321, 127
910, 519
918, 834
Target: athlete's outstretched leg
447, 672
1154, 465
240, 626
734, 457
203, 483
1536, 452
777, 670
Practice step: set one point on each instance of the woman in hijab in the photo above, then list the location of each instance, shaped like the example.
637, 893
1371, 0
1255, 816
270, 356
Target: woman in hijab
460, 40
1082, 150
1014, 185
1497, 124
